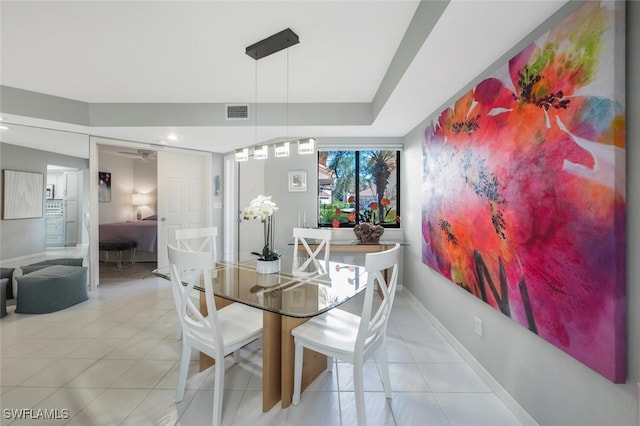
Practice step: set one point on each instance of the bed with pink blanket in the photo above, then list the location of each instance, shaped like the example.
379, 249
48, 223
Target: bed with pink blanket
143, 232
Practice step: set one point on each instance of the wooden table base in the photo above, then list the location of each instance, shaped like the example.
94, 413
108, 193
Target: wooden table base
278, 357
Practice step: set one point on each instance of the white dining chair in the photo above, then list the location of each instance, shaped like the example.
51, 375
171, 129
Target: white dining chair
197, 239
352, 338
219, 333
305, 236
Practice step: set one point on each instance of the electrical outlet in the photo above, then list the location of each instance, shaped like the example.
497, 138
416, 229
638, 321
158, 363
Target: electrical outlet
478, 326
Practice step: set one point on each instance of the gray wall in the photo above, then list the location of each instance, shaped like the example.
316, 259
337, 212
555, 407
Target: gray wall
25, 237
217, 214
550, 385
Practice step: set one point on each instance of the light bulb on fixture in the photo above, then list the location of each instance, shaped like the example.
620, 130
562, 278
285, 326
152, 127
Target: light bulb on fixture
281, 149
242, 154
306, 146
261, 153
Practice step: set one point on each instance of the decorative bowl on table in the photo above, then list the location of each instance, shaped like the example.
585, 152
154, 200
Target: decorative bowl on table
368, 233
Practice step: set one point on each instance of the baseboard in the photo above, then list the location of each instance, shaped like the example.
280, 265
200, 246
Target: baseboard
493, 384
21, 260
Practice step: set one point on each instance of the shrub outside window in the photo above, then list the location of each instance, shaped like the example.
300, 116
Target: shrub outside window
358, 186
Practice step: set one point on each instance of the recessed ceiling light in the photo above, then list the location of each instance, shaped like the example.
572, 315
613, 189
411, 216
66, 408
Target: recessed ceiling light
4, 128
172, 137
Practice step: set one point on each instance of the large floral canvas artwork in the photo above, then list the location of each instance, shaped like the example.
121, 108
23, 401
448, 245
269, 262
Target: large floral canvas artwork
524, 188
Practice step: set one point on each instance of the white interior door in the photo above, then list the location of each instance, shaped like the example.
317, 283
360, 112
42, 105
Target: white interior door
184, 195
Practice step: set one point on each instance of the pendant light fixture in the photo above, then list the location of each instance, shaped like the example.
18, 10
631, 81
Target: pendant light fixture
275, 43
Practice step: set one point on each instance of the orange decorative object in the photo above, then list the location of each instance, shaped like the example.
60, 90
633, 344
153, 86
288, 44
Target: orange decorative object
337, 212
373, 205
335, 223
385, 201
351, 199
352, 217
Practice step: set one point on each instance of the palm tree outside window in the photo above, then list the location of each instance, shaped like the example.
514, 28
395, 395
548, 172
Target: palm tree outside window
358, 186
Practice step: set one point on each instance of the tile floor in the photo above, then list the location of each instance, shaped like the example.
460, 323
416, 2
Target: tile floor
114, 360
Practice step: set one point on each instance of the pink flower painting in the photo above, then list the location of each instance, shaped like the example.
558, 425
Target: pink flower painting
524, 189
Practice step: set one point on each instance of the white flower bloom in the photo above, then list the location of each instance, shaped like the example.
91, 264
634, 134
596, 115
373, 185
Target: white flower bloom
260, 207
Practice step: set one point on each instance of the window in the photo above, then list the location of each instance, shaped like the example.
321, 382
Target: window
359, 186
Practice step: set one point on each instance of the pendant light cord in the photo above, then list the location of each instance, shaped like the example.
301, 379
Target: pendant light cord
256, 105
287, 120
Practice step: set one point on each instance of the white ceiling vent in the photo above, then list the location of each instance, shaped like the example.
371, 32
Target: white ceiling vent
237, 112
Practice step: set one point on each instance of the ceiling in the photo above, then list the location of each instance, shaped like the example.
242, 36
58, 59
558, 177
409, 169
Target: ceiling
141, 70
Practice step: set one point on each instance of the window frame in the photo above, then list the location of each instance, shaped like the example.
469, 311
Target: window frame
357, 153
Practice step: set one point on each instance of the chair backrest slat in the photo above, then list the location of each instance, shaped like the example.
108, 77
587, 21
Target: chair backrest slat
198, 239
373, 325
321, 237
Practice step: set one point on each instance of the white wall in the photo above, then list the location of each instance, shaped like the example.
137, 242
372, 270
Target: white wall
550, 385
26, 237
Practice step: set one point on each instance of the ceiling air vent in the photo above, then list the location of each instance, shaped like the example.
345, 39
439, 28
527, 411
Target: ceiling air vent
238, 112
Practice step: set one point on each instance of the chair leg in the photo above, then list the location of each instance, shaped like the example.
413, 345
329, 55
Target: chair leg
384, 370
297, 374
184, 368
358, 384
218, 390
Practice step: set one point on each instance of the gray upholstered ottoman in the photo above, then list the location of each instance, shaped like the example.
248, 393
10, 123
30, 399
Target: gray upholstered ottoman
51, 289
69, 261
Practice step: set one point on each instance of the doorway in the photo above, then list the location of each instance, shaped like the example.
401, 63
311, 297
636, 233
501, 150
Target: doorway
175, 188
63, 207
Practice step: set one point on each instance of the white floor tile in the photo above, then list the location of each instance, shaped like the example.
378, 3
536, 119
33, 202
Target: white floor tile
425, 352
25, 397
378, 409
372, 379
475, 409
72, 400
315, 409
58, 373
200, 410
443, 377
133, 349
249, 412
145, 374
114, 359
101, 374
417, 409
111, 407
22, 369
159, 408
59, 348
407, 378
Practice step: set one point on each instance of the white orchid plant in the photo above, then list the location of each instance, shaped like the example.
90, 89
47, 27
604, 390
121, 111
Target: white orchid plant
263, 208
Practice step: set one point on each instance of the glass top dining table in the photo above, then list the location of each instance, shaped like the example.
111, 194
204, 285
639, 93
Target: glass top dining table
294, 295
287, 300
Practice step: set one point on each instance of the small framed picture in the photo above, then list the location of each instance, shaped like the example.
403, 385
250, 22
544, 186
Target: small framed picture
297, 180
